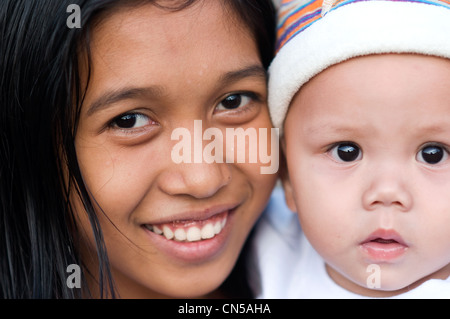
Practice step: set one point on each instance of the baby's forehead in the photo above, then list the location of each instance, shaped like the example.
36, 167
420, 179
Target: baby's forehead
378, 76
387, 89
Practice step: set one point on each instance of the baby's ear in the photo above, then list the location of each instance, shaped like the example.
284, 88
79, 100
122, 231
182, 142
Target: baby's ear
288, 193
286, 182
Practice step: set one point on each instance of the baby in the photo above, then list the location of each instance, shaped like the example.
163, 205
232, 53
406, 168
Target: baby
360, 92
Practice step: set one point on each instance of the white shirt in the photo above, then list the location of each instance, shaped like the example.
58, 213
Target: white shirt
284, 265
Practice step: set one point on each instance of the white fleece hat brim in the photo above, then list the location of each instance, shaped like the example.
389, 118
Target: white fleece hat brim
356, 29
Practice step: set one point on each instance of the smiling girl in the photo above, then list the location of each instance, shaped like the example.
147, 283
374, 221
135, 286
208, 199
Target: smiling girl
85, 143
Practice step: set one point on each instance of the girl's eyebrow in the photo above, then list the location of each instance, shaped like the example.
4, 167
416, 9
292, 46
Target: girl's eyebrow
114, 96
255, 71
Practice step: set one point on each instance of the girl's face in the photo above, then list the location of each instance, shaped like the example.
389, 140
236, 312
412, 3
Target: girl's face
171, 229
367, 147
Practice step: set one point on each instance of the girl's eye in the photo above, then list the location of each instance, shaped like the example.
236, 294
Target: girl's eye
234, 101
432, 154
346, 152
131, 121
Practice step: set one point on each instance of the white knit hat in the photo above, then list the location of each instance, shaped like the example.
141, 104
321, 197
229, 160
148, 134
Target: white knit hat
313, 35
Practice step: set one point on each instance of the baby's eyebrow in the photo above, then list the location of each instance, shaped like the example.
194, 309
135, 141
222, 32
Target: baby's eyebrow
335, 128
351, 130
434, 128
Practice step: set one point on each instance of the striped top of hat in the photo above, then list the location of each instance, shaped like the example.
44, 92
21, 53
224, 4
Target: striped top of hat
295, 16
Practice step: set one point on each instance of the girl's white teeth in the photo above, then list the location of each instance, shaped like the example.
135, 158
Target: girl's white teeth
208, 231
193, 233
157, 230
168, 233
180, 234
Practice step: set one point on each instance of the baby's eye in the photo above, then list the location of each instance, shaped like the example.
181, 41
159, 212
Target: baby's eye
345, 152
234, 101
432, 154
131, 121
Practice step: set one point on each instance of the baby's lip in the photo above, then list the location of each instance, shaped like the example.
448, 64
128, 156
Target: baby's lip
384, 245
385, 236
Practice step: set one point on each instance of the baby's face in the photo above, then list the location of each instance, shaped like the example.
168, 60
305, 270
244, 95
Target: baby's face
367, 145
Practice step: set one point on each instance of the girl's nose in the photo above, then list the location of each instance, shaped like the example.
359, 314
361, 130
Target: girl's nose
199, 180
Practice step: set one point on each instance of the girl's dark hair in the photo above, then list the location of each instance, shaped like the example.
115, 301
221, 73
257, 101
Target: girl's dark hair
40, 100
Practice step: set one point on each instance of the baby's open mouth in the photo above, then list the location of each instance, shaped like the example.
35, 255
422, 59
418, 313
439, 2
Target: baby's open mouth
384, 245
191, 230
384, 241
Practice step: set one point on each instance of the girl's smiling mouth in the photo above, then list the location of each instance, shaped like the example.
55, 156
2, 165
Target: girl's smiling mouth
191, 230
193, 237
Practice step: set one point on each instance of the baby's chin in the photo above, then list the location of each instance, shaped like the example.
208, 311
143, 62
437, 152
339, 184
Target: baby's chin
373, 282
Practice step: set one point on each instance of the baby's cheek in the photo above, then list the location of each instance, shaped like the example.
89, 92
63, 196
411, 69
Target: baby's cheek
326, 229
